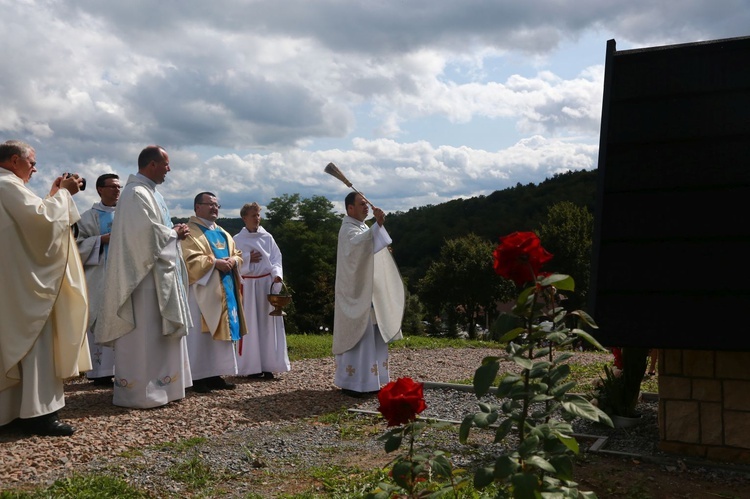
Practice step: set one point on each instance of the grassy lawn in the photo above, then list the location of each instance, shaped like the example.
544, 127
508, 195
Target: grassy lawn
318, 346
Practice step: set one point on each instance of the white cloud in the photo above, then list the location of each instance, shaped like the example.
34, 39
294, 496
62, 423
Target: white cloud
253, 98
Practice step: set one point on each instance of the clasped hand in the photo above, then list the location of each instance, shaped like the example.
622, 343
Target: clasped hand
183, 231
224, 264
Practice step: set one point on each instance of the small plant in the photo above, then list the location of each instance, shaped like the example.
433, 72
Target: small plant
610, 395
86, 486
530, 403
194, 473
415, 473
619, 389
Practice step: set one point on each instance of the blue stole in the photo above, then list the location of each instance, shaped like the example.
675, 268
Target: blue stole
220, 247
168, 222
105, 226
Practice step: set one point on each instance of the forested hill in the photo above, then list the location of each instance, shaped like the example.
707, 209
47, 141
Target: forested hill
419, 233
306, 230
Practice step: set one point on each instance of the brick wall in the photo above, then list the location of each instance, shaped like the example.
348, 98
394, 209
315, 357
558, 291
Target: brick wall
704, 404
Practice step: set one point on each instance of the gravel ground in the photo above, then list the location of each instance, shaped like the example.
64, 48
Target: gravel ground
262, 425
105, 431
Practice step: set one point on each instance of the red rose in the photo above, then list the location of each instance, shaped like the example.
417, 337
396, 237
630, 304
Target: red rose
519, 257
617, 354
401, 401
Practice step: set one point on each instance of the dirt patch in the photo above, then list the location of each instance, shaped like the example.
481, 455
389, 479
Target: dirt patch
626, 477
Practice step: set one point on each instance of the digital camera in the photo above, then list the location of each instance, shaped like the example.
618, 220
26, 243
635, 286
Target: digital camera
83, 180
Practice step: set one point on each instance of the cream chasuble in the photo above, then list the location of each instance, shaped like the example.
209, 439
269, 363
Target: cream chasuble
366, 278
43, 284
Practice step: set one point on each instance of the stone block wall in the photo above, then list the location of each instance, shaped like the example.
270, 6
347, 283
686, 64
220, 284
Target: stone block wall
704, 404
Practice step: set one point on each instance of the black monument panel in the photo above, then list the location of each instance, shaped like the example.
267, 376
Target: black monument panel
671, 226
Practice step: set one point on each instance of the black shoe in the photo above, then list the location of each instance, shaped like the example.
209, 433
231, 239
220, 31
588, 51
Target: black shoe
201, 386
352, 393
267, 375
255, 376
48, 425
219, 383
103, 381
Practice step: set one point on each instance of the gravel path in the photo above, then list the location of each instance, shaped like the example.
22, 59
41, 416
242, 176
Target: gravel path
104, 430
254, 412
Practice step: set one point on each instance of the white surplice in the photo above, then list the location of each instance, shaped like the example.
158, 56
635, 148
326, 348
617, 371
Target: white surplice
264, 348
94, 259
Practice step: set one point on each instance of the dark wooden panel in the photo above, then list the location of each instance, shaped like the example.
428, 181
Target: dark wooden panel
718, 66
707, 321
684, 117
670, 225
670, 165
691, 266
678, 214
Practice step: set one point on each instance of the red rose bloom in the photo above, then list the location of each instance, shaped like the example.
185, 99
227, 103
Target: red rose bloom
401, 401
617, 354
519, 257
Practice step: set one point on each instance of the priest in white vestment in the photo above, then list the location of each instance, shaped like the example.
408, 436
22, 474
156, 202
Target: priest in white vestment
263, 351
94, 230
144, 313
370, 301
43, 302
213, 265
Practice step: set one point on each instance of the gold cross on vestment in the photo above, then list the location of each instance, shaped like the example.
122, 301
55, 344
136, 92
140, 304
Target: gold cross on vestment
350, 370
374, 369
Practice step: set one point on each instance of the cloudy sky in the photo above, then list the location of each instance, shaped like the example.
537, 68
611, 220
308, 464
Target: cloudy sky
417, 102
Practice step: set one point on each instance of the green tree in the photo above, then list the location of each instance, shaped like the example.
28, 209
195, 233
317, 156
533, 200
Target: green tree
567, 233
462, 283
281, 209
306, 231
413, 315
419, 233
317, 214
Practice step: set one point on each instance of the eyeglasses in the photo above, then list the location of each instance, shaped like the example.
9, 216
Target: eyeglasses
212, 205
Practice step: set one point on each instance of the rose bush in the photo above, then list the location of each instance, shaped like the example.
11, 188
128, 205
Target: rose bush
420, 471
541, 464
530, 403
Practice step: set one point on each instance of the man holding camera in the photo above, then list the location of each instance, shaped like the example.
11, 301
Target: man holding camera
94, 230
43, 301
